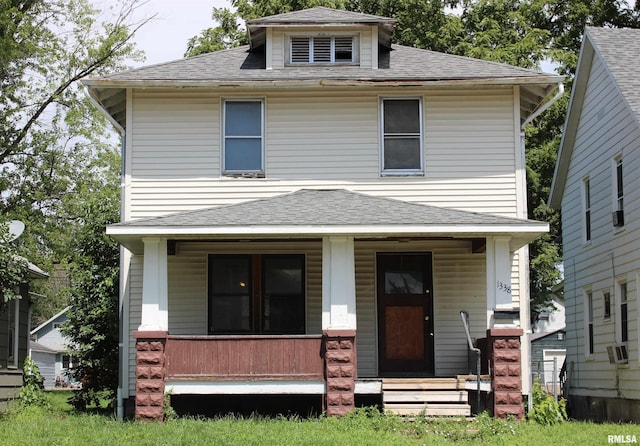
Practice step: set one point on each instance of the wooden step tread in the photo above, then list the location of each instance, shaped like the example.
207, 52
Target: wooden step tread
460, 396
423, 384
463, 410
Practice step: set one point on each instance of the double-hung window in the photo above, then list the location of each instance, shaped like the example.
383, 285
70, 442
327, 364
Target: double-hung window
624, 315
587, 209
589, 323
243, 137
402, 138
251, 293
322, 50
618, 189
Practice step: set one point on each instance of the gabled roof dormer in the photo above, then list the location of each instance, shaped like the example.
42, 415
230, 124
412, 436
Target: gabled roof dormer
320, 36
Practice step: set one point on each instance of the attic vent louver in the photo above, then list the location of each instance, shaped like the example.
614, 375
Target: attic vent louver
322, 50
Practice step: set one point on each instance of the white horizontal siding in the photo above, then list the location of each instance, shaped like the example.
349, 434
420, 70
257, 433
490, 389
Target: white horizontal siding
329, 139
605, 130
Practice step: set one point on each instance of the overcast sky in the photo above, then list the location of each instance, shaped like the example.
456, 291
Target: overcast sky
165, 38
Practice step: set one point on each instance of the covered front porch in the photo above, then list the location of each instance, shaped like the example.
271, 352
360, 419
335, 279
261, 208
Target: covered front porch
237, 301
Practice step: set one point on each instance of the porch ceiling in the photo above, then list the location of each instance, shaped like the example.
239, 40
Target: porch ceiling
315, 213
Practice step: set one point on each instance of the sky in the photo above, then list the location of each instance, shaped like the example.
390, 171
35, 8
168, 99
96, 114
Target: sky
165, 37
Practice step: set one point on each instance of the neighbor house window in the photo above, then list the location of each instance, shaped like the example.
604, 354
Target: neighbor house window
322, 50
402, 136
624, 318
618, 187
589, 322
606, 295
256, 293
587, 209
243, 145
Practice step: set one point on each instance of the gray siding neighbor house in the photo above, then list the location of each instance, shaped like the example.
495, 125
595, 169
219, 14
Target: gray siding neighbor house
15, 325
307, 216
597, 186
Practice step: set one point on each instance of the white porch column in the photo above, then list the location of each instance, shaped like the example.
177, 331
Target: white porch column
338, 283
499, 295
155, 294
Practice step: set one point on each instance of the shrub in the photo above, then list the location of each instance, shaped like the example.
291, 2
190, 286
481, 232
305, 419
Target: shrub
546, 410
32, 393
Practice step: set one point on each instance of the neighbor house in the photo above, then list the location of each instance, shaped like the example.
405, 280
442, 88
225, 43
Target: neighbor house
308, 215
49, 349
597, 186
15, 325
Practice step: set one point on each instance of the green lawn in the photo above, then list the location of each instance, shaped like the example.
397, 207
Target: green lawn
61, 426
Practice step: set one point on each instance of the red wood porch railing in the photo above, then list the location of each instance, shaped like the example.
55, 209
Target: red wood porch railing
239, 357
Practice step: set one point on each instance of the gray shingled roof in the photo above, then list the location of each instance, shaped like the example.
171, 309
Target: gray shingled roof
239, 65
320, 15
315, 213
620, 49
336, 207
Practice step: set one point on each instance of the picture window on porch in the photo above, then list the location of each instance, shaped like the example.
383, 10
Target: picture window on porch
251, 293
402, 137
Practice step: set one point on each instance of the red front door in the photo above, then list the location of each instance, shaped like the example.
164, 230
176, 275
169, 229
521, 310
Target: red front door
405, 314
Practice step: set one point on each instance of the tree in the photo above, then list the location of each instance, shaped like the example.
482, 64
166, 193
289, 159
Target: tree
93, 318
48, 129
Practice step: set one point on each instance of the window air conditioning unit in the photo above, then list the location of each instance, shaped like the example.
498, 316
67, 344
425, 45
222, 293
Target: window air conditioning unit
618, 218
618, 354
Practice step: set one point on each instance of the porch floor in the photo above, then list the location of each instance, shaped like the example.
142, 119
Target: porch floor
428, 396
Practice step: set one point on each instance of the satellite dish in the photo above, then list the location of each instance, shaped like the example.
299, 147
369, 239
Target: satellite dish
16, 228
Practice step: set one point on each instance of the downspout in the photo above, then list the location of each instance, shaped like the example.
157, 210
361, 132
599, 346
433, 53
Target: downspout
527, 315
122, 132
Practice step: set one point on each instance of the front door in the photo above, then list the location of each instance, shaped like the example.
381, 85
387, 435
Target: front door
405, 314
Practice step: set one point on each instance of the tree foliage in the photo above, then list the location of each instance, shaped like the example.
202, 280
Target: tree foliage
93, 318
49, 131
524, 33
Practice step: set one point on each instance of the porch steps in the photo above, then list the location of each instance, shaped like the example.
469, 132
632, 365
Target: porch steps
428, 396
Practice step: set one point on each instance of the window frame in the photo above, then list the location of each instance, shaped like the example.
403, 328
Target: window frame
623, 312
243, 172
588, 324
618, 187
257, 295
420, 170
586, 206
355, 49
13, 333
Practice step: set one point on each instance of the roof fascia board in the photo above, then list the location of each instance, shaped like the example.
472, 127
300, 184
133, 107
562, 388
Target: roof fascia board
528, 228
574, 112
51, 319
288, 83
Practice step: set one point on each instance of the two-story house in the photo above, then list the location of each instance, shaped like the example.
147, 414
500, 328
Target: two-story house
309, 214
596, 185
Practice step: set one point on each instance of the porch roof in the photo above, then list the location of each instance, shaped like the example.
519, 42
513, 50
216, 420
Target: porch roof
315, 213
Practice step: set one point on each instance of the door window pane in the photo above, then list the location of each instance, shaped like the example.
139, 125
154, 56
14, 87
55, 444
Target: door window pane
405, 277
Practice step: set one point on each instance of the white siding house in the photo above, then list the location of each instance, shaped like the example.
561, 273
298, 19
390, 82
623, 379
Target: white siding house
597, 186
319, 188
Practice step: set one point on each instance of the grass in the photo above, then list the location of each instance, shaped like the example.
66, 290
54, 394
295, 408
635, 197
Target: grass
60, 425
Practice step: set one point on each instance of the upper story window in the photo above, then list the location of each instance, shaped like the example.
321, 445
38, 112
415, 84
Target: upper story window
243, 140
586, 188
322, 50
402, 137
618, 193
